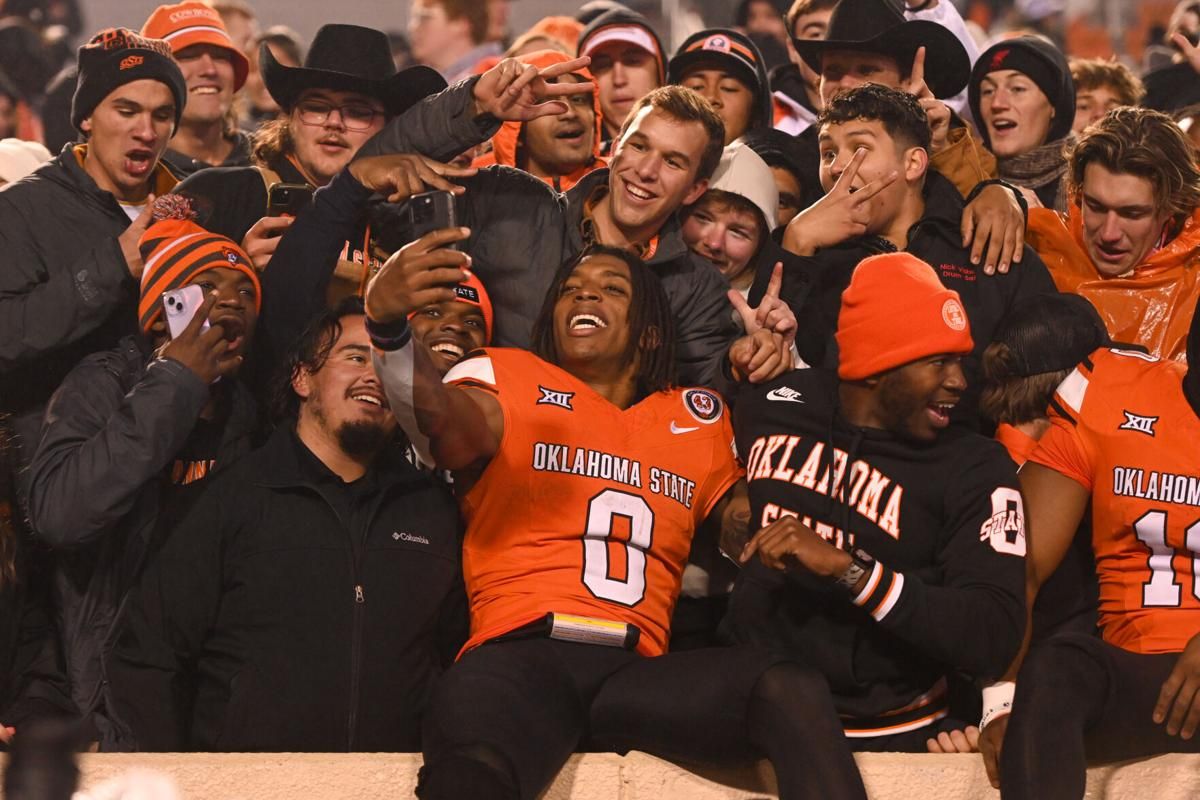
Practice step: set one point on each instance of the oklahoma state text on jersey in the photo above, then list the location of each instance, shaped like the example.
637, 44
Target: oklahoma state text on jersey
587, 509
944, 522
1123, 429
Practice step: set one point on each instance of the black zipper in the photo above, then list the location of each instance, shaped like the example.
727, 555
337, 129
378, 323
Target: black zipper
360, 602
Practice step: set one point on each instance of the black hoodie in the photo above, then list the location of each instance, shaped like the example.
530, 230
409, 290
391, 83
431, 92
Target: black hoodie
943, 520
815, 291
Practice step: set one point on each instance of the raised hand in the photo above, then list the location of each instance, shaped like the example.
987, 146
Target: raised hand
402, 175
1190, 51
840, 215
759, 357
261, 241
207, 353
772, 313
515, 91
419, 274
130, 236
936, 111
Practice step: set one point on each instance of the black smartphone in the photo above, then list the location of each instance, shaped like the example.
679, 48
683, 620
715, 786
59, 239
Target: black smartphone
288, 198
430, 211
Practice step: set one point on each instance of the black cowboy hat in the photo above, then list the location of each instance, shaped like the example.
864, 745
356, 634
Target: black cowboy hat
877, 26
353, 59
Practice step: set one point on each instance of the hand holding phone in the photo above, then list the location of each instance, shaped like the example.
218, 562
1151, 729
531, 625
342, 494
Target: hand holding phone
202, 348
431, 211
288, 199
180, 305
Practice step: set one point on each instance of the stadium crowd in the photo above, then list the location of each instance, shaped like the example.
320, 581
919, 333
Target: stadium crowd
814, 385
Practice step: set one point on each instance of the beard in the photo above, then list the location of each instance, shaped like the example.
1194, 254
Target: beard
360, 439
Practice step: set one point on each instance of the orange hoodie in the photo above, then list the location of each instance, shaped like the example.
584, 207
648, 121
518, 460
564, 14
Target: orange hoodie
506, 140
1152, 306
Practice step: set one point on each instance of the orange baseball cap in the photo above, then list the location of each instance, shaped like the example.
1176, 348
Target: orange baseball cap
185, 24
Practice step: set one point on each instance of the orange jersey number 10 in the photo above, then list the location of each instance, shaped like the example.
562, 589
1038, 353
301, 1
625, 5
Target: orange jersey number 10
1163, 588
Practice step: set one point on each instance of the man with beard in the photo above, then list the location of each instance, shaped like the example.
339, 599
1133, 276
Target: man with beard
269, 619
889, 544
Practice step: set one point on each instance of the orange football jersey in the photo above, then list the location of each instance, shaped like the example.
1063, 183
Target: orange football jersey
1122, 428
587, 509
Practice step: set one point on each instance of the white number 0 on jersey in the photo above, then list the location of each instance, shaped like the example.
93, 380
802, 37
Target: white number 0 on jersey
601, 510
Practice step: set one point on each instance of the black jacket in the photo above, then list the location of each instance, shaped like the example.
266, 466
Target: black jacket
97, 483
943, 520
937, 240
65, 290
184, 165
279, 616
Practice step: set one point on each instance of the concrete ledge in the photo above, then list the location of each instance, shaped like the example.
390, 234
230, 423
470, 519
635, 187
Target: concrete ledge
888, 776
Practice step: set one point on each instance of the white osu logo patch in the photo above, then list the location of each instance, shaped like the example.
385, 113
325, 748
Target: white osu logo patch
717, 43
953, 315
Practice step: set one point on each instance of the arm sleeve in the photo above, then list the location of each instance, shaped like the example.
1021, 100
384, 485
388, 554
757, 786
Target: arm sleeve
975, 617
46, 306
724, 469
704, 331
100, 445
168, 615
964, 161
441, 126
296, 280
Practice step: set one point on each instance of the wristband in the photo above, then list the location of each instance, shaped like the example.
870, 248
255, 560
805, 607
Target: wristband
1021, 201
389, 336
997, 701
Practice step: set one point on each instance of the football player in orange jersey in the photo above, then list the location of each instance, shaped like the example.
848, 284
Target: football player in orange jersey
583, 474
1123, 432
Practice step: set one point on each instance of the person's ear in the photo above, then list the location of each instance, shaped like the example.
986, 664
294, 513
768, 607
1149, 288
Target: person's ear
302, 382
651, 339
85, 125
916, 163
695, 192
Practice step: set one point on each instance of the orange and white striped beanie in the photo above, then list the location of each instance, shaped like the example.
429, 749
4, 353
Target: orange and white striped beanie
175, 249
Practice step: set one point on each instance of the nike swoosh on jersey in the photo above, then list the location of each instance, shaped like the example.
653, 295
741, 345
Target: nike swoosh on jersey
676, 429
785, 394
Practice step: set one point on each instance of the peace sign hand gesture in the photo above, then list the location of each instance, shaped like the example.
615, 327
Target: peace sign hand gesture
840, 215
937, 112
515, 91
772, 313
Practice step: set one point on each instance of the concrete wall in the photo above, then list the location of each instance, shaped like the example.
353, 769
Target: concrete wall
888, 776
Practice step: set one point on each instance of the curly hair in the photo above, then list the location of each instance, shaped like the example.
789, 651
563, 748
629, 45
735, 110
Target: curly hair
310, 352
1149, 144
899, 113
1094, 73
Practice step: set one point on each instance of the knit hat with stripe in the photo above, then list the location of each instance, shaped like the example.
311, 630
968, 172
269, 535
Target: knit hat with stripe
175, 249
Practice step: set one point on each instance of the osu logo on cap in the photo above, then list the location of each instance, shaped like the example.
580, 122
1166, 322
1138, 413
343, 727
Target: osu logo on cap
718, 42
128, 62
231, 255
953, 315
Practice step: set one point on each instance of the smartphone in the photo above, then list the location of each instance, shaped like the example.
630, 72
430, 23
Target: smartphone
431, 211
180, 305
288, 198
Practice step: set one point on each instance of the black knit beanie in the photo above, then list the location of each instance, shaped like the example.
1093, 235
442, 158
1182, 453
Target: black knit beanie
117, 56
1042, 63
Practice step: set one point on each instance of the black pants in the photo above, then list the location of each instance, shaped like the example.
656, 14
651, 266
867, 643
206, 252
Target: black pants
505, 718
1080, 699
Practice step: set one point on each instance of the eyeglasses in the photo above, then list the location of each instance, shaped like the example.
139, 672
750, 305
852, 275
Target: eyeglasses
354, 117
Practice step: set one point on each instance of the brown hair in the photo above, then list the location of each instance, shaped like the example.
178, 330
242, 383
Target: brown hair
802, 7
1009, 397
1149, 144
1094, 73
684, 105
271, 141
474, 11
722, 201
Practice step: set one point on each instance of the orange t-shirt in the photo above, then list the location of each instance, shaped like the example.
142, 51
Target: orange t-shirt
587, 509
1122, 428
